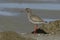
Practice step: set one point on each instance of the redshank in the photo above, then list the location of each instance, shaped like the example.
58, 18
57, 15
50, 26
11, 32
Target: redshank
33, 19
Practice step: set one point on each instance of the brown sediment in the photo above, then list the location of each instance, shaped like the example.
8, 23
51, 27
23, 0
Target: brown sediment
10, 35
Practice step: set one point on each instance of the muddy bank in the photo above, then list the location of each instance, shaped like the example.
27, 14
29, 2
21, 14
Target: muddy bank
10, 35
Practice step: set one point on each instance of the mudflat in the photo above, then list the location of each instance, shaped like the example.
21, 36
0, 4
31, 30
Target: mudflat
21, 23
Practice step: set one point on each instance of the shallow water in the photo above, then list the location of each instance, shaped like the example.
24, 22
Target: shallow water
48, 6
5, 13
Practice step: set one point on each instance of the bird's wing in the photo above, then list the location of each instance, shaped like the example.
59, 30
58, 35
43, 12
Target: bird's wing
36, 18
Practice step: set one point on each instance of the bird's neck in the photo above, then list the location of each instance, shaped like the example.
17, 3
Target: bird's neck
29, 14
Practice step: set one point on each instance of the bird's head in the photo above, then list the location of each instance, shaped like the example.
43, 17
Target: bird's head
28, 10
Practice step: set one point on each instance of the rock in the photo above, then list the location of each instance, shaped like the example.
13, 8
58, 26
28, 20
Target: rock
39, 31
51, 27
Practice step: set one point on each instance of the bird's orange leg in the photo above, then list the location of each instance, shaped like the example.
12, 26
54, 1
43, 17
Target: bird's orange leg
35, 28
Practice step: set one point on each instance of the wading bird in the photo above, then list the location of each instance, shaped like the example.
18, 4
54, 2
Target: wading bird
33, 19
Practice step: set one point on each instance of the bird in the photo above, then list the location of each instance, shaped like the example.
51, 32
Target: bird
34, 19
